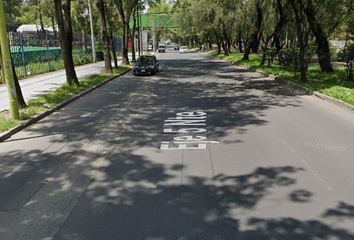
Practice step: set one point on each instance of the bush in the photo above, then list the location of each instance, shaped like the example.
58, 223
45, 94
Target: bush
347, 56
271, 53
291, 57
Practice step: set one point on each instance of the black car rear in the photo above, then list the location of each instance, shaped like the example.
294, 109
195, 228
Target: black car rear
146, 65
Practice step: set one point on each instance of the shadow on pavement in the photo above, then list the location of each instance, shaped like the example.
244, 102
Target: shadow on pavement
131, 196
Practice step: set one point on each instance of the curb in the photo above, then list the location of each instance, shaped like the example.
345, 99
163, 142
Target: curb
294, 86
299, 88
337, 102
44, 114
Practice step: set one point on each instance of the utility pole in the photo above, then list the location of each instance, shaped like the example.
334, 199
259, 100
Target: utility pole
141, 36
138, 27
6, 58
153, 36
93, 40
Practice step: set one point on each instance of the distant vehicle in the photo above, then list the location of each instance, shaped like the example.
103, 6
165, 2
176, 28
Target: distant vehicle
176, 47
183, 49
146, 65
162, 49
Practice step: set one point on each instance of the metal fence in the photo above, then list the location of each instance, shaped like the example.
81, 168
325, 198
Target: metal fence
40, 51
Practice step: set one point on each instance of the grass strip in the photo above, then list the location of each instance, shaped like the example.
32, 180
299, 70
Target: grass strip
50, 100
332, 84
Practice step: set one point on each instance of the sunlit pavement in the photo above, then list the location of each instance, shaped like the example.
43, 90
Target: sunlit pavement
38, 85
202, 150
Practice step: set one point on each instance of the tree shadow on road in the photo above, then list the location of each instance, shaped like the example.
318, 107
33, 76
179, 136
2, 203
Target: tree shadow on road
107, 158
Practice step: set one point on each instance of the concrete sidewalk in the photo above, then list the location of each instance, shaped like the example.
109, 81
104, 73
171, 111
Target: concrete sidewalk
38, 85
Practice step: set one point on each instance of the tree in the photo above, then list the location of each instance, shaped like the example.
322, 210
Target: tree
302, 35
114, 27
63, 17
253, 42
125, 9
132, 34
323, 52
281, 20
12, 10
80, 16
347, 56
105, 42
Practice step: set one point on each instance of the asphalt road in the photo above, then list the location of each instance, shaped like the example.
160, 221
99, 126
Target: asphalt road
247, 159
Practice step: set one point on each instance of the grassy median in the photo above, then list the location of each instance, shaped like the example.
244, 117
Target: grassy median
48, 101
331, 84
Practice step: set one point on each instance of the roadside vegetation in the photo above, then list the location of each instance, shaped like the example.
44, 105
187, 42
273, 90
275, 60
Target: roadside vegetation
43, 67
333, 84
297, 40
50, 100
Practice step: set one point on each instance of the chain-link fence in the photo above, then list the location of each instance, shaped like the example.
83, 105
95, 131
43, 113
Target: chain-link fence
40, 52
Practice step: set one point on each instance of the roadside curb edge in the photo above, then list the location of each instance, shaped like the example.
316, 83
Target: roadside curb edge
297, 87
46, 113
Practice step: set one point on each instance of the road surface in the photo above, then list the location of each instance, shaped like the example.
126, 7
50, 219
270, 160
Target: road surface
202, 150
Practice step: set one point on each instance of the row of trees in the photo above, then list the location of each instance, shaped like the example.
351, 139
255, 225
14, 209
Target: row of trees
112, 16
248, 24
111, 19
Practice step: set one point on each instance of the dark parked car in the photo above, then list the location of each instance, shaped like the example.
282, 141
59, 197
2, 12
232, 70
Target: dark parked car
146, 65
176, 47
162, 49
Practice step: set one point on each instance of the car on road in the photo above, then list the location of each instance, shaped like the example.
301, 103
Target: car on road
146, 65
162, 48
183, 49
176, 47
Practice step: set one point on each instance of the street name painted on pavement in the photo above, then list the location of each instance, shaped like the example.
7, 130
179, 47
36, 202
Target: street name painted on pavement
186, 123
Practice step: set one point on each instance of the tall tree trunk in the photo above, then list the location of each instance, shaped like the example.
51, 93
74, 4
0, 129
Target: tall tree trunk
125, 59
65, 36
112, 45
41, 23
104, 36
84, 43
218, 41
323, 52
275, 34
264, 49
20, 100
299, 19
239, 41
258, 24
19, 96
225, 45
54, 27
132, 37
125, 16
254, 40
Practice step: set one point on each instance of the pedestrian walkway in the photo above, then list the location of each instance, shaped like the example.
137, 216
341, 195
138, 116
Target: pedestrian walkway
38, 85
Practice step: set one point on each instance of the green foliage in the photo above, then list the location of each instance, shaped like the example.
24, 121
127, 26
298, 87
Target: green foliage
347, 56
333, 48
6, 123
291, 57
330, 84
86, 59
43, 67
271, 54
